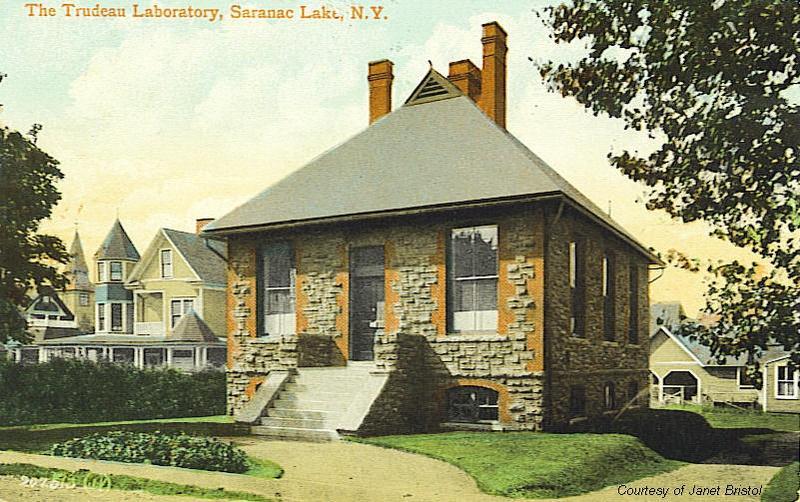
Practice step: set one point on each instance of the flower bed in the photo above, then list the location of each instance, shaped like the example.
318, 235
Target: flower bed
179, 450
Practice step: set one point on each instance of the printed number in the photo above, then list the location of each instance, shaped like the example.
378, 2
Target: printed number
24, 480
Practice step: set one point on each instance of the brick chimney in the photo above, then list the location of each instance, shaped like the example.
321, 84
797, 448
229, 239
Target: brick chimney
200, 223
493, 73
467, 77
380, 89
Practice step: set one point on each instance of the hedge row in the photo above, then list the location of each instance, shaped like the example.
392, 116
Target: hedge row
179, 450
80, 391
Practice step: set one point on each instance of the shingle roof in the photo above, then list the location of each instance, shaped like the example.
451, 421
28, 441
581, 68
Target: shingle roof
117, 245
441, 153
192, 329
208, 263
667, 314
703, 353
76, 268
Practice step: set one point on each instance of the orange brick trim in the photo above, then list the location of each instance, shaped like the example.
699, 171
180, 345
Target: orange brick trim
252, 386
342, 322
439, 289
392, 298
503, 399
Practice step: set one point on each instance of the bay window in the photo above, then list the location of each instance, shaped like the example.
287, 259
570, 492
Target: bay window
473, 278
116, 317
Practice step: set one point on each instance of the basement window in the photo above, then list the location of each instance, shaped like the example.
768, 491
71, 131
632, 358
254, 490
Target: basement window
276, 288
472, 404
473, 278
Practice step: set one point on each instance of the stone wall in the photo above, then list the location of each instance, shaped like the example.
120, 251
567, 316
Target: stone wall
591, 361
423, 358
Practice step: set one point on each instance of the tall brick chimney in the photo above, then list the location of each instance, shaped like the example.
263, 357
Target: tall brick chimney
467, 77
493, 73
380, 89
200, 223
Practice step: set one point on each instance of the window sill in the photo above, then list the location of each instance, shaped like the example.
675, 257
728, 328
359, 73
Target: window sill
611, 343
787, 398
270, 339
474, 336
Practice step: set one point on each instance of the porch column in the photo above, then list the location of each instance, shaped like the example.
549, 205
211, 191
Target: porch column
111, 354
138, 357
42, 355
169, 356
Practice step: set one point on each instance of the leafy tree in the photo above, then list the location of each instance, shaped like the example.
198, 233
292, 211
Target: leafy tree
27, 258
712, 79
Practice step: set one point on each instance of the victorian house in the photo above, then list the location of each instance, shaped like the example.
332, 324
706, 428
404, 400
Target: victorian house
163, 309
431, 272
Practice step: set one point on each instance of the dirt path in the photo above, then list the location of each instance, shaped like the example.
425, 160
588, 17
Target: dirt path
345, 472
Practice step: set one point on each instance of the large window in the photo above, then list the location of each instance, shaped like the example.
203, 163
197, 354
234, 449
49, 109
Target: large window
277, 284
178, 308
577, 286
166, 263
633, 303
472, 404
609, 293
101, 271
101, 317
785, 383
116, 317
116, 270
609, 396
473, 279
577, 401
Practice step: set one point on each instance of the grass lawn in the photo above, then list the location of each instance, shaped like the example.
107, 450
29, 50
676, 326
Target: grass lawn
784, 486
84, 478
537, 465
214, 419
735, 419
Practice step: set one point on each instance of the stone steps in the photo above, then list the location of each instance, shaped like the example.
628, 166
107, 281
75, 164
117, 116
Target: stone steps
311, 405
295, 433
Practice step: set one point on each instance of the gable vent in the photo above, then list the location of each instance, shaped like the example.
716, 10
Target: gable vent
433, 88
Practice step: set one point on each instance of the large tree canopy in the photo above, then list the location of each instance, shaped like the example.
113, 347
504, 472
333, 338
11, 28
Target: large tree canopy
712, 79
27, 258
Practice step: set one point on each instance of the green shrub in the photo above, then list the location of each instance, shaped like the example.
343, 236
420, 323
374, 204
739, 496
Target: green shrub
80, 391
784, 486
674, 434
178, 450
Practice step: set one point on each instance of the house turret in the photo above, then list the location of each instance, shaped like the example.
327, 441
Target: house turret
115, 259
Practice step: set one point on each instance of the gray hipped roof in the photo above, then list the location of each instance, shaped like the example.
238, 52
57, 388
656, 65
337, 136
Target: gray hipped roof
441, 153
206, 256
117, 245
192, 329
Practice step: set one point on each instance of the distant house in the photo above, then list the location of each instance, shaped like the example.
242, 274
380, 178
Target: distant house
48, 316
162, 309
684, 371
179, 272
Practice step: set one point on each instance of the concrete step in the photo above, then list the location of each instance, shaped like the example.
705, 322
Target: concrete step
298, 423
329, 380
348, 388
301, 403
296, 434
301, 414
317, 394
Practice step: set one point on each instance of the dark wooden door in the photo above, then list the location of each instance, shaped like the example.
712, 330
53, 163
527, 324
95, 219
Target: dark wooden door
366, 300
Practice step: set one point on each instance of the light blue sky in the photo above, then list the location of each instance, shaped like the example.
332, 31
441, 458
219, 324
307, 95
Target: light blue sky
167, 121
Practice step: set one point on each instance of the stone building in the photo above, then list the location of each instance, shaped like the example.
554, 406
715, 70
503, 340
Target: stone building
431, 272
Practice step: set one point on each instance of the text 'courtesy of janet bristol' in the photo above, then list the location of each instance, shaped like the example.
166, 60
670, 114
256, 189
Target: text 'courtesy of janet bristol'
236, 12
694, 490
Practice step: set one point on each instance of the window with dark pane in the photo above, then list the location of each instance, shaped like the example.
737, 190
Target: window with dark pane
633, 303
116, 270
609, 396
633, 392
577, 284
473, 278
472, 404
166, 263
609, 294
116, 317
577, 401
277, 278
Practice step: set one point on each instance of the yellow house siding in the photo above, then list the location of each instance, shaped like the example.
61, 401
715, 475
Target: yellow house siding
773, 403
180, 269
716, 383
214, 302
